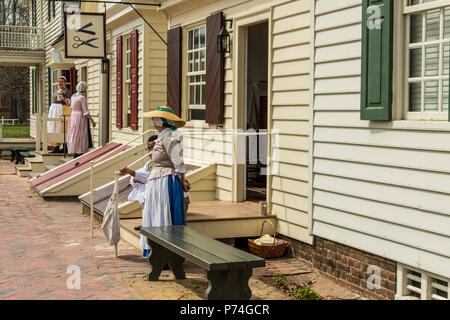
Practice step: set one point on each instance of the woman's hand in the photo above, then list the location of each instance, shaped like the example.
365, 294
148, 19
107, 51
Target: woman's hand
93, 123
123, 171
138, 181
186, 186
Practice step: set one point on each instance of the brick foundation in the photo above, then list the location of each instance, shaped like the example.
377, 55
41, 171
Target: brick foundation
347, 266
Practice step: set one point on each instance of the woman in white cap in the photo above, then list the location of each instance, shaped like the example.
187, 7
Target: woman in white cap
77, 135
166, 184
59, 99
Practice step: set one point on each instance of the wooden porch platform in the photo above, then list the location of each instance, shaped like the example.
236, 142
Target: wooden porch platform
216, 219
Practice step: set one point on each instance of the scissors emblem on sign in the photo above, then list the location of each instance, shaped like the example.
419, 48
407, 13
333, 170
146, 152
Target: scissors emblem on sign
82, 42
82, 29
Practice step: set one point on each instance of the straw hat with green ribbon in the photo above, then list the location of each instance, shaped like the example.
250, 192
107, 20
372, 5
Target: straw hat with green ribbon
165, 113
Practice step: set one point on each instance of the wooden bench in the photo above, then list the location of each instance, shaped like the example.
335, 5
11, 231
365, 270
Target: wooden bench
228, 269
15, 153
26, 154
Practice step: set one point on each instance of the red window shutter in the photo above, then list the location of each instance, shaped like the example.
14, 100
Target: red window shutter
119, 69
214, 71
174, 69
73, 80
134, 80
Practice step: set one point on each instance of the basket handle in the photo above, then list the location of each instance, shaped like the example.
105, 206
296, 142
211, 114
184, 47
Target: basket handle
274, 233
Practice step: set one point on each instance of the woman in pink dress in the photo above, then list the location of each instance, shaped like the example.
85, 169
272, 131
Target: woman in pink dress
77, 133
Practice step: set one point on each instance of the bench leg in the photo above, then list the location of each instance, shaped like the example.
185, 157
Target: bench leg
229, 285
159, 257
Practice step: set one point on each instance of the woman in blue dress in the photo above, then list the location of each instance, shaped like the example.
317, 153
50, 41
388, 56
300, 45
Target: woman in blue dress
166, 184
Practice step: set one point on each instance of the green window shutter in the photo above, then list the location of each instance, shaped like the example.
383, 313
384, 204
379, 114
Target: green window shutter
376, 60
33, 13
48, 10
49, 83
33, 86
53, 8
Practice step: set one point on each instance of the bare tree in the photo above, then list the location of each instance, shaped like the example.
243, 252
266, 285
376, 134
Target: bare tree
14, 81
14, 12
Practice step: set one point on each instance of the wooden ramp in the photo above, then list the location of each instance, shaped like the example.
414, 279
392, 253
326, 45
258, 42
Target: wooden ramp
73, 177
130, 210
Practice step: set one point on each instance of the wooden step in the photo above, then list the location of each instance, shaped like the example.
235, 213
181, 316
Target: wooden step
36, 164
23, 170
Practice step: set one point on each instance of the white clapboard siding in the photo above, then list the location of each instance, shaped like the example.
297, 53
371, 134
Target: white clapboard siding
381, 187
290, 41
384, 211
290, 44
434, 161
151, 72
52, 30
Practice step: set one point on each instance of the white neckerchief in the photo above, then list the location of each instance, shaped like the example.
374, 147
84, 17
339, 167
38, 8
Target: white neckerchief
164, 134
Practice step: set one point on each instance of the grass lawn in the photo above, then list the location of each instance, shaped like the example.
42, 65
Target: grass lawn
15, 131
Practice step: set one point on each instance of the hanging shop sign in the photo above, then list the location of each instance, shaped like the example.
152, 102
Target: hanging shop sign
85, 35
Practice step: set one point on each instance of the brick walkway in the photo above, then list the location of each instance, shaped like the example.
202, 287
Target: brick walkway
40, 240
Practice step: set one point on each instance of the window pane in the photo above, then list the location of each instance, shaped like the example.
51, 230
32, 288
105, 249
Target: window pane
446, 58
197, 95
196, 39
445, 95
433, 23
202, 60
413, 2
66, 74
197, 114
190, 40
196, 61
415, 62
415, 97
447, 24
432, 61
416, 28
128, 43
203, 94
202, 37
191, 94
431, 95
191, 63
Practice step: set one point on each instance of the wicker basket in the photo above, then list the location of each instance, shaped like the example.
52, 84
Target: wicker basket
273, 251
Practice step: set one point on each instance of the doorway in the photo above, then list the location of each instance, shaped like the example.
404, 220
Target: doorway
257, 51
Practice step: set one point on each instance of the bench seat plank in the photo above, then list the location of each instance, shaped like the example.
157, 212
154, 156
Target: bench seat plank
233, 262
212, 252
204, 259
222, 248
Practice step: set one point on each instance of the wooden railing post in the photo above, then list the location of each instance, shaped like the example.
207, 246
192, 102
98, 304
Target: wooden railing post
92, 201
44, 135
38, 132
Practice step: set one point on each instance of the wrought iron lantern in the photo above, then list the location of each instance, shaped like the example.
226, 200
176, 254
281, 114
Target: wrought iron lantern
223, 39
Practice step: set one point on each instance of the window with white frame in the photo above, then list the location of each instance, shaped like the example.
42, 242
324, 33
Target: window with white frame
196, 73
427, 63
127, 82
